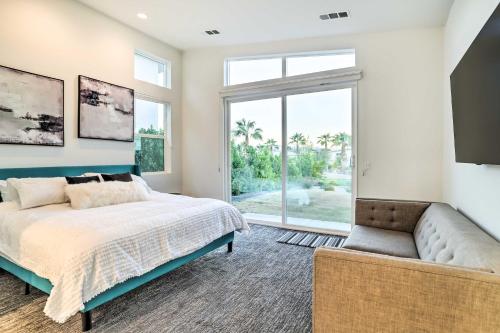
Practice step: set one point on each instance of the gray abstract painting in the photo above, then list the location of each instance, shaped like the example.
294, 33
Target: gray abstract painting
106, 111
31, 108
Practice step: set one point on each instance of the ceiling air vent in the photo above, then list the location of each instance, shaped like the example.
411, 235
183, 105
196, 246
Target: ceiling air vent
212, 32
333, 16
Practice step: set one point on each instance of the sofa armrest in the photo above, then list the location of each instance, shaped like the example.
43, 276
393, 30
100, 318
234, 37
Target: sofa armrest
389, 214
364, 292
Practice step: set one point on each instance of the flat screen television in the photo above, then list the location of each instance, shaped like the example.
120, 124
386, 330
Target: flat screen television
475, 90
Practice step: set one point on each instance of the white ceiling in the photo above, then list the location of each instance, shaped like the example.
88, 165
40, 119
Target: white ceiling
182, 23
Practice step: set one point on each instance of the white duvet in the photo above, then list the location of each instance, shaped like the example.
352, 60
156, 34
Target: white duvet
85, 252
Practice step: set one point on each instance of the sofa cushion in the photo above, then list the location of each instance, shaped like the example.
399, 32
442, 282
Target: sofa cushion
389, 214
382, 241
444, 235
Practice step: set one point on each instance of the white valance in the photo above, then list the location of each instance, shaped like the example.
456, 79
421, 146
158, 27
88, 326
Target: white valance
284, 85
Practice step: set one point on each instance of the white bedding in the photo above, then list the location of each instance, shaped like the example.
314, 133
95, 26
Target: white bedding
85, 252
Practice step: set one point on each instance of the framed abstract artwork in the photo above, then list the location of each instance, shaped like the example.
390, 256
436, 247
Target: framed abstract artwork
31, 108
105, 110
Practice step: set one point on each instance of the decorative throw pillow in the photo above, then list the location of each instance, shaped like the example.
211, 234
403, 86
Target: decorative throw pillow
35, 192
135, 178
82, 180
91, 195
117, 177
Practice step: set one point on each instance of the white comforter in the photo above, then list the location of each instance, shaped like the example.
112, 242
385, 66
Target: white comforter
85, 252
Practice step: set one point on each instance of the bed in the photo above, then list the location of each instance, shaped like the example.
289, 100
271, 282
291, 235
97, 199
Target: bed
85, 258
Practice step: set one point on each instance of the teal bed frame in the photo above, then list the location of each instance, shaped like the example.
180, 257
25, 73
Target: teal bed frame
31, 279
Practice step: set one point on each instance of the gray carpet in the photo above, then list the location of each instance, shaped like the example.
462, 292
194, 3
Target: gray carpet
263, 286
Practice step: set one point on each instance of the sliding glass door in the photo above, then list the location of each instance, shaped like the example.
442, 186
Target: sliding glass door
256, 159
291, 159
319, 150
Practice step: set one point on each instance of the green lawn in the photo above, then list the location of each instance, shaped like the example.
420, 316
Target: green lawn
314, 204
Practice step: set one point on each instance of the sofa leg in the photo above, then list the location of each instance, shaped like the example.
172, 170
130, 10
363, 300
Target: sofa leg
27, 289
230, 247
86, 321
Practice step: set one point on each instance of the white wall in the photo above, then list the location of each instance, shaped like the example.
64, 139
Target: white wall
471, 188
400, 111
62, 39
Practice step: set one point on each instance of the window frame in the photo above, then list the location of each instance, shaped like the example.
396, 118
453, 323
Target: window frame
167, 81
167, 136
284, 57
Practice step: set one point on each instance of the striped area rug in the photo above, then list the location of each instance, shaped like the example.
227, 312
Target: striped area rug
311, 240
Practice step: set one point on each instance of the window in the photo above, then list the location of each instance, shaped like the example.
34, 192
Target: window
251, 70
304, 64
152, 133
245, 70
289, 143
151, 69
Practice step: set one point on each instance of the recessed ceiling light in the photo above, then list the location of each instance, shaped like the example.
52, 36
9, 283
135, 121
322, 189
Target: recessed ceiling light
142, 16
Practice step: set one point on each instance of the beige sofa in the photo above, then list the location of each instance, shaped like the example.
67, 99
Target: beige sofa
408, 267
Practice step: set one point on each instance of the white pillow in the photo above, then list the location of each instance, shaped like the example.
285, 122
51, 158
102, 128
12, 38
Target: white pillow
7, 191
135, 178
141, 181
90, 195
3, 190
35, 192
92, 174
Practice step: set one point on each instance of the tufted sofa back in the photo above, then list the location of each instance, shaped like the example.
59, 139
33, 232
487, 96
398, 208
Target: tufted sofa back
444, 235
389, 214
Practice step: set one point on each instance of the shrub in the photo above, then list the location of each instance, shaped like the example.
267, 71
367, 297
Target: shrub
293, 170
328, 184
242, 180
256, 169
307, 183
329, 187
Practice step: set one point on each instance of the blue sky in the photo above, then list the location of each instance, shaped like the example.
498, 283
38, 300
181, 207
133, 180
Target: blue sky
311, 114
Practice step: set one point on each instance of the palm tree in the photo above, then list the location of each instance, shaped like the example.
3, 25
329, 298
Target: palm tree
271, 144
247, 130
297, 139
325, 139
342, 139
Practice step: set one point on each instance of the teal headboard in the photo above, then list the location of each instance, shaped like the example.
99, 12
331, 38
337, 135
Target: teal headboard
67, 171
